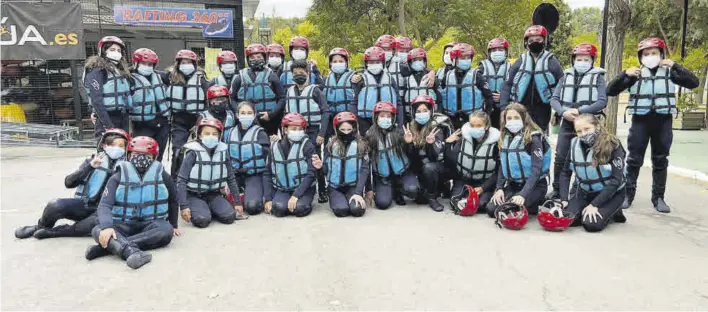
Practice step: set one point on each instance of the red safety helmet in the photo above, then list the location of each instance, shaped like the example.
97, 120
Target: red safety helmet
256, 48
374, 54
145, 55
211, 122
386, 41
384, 107
649, 43
498, 43
111, 39
465, 203
113, 131
217, 91
344, 117
552, 217
293, 119
511, 216
299, 42
186, 54
461, 49
404, 43
339, 51
536, 30
418, 53
144, 145
585, 49
423, 98
275, 48
226, 56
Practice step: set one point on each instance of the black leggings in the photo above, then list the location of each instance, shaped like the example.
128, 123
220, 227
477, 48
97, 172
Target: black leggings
532, 201
74, 209
606, 210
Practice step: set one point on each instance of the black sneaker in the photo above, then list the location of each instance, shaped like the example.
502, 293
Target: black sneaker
435, 205
138, 259
26, 231
96, 251
399, 200
619, 217
660, 205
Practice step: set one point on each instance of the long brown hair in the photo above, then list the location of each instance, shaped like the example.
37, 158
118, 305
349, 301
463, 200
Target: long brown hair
605, 142
375, 135
529, 125
177, 77
420, 132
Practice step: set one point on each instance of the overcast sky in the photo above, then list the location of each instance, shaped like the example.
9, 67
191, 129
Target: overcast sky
298, 8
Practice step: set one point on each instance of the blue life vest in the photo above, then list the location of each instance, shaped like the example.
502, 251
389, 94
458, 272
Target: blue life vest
115, 91
90, 188
148, 98
516, 162
373, 92
258, 92
339, 91
286, 77
414, 88
394, 68
542, 77
229, 123
591, 178
585, 93
495, 76
653, 93
440, 77
389, 162
192, 101
343, 170
210, 171
471, 96
289, 172
475, 161
220, 80
246, 153
139, 199
305, 104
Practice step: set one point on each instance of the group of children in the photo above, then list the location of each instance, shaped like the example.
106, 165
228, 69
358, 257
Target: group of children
269, 136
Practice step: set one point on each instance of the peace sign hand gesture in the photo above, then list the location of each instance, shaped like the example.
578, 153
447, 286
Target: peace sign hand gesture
407, 134
430, 139
454, 136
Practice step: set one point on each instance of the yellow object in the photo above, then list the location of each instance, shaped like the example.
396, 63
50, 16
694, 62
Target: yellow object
12, 113
210, 66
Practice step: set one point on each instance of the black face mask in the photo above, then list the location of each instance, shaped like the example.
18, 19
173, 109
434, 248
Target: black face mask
219, 107
347, 137
141, 162
256, 64
299, 79
536, 47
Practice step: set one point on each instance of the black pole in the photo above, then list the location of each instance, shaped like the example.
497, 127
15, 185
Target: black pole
605, 14
75, 83
683, 33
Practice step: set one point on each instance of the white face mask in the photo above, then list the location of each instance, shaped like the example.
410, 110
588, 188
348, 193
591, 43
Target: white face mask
375, 68
389, 55
145, 70
299, 54
275, 61
228, 69
651, 61
114, 55
446, 59
403, 56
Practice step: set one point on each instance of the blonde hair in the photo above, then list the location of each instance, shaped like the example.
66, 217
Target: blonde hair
529, 126
605, 142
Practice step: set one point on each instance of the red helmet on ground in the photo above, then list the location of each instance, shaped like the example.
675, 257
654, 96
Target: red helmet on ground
293, 119
418, 53
461, 49
114, 131
211, 122
649, 43
374, 54
511, 216
552, 217
143, 145
404, 43
384, 107
423, 99
217, 91
111, 39
299, 42
275, 48
186, 54
536, 30
386, 41
465, 203
256, 48
585, 49
449, 45
145, 55
344, 117
226, 56
339, 51
498, 43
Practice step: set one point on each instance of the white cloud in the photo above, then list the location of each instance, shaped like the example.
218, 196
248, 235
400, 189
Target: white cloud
283, 8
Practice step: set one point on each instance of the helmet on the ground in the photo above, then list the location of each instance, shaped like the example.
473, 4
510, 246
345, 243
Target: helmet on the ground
344, 117
374, 54
384, 107
217, 91
552, 217
511, 216
226, 56
465, 203
293, 119
210, 122
144, 145
145, 55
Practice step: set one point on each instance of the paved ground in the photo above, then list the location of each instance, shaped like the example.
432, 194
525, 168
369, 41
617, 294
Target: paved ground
404, 258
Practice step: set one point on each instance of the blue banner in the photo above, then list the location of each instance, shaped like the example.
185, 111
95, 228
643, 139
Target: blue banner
214, 23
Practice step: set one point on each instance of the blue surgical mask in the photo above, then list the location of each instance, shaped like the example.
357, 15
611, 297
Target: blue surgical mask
296, 135
498, 56
114, 152
384, 123
145, 70
467, 132
339, 68
389, 56
228, 69
418, 65
514, 125
422, 118
186, 69
210, 141
582, 66
477, 133
402, 56
246, 120
464, 64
